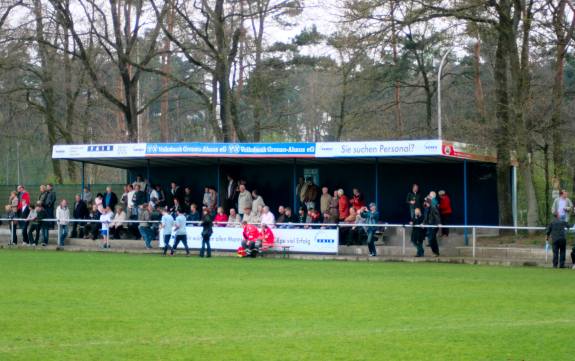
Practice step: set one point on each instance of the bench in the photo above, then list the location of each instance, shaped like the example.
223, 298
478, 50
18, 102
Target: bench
283, 249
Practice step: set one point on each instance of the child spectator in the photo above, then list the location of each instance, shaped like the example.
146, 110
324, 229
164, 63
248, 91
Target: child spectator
105, 219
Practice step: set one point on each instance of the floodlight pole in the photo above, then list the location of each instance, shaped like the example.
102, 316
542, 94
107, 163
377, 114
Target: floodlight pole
439, 130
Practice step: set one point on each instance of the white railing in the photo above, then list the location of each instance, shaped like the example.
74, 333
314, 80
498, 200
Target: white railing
380, 226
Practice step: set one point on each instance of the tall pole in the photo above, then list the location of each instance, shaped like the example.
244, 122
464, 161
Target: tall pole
18, 160
439, 130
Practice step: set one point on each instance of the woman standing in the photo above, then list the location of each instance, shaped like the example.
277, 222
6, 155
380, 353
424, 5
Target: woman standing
207, 230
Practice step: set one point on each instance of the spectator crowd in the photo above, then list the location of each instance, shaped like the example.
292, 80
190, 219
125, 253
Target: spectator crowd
137, 212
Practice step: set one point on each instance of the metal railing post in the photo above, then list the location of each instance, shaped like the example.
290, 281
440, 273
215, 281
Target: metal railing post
403, 241
58, 236
474, 238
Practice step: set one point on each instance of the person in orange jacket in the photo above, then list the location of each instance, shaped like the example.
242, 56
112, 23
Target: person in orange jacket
343, 205
266, 237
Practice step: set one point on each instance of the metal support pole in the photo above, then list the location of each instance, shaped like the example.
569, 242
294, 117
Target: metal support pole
218, 175
514, 197
465, 235
83, 179
294, 186
58, 236
403, 241
376, 180
439, 125
474, 239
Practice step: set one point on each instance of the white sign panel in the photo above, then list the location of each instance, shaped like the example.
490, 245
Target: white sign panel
299, 240
379, 149
81, 151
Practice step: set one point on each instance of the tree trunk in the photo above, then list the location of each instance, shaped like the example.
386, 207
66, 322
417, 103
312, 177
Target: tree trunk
502, 134
479, 99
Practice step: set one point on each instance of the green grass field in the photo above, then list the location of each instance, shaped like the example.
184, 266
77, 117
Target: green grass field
97, 306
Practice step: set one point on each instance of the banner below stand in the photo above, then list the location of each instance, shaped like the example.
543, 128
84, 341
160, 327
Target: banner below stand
323, 241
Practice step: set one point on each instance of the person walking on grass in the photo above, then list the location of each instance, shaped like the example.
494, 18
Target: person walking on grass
63, 219
556, 230
181, 233
166, 224
207, 231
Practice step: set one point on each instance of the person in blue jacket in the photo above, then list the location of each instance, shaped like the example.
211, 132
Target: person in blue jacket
371, 216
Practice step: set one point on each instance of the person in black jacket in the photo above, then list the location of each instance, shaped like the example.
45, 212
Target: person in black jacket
417, 232
414, 200
49, 203
207, 230
110, 199
433, 218
556, 229
24, 213
80, 212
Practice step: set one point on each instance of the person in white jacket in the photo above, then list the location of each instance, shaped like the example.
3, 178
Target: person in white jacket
63, 219
117, 225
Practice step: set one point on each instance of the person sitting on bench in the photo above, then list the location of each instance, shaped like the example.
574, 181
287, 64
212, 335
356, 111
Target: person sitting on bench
251, 242
267, 237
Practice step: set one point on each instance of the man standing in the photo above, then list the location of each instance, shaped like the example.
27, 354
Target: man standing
42, 195
325, 200
414, 200
140, 182
50, 202
175, 193
87, 195
343, 205
244, 200
24, 213
23, 195
181, 232
562, 206
63, 218
433, 218
371, 216
445, 211
231, 193
110, 199
207, 230
144, 227
556, 230
166, 224
80, 212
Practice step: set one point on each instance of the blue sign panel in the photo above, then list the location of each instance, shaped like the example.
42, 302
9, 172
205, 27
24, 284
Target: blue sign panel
231, 149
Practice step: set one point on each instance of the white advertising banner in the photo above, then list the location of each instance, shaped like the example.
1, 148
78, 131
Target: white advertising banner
379, 149
299, 240
81, 151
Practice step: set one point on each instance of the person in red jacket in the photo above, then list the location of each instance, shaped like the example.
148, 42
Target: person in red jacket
23, 195
444, 211
221, 218
357, 201
343, 205
267, 237
251, 240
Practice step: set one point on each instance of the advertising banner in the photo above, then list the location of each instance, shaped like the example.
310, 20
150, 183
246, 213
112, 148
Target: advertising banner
299, 240
231, 150
379, 149
126, 150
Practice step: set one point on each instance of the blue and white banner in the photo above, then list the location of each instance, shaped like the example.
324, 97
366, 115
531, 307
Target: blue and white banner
379, 149
230, 149
299, 240
81, 151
